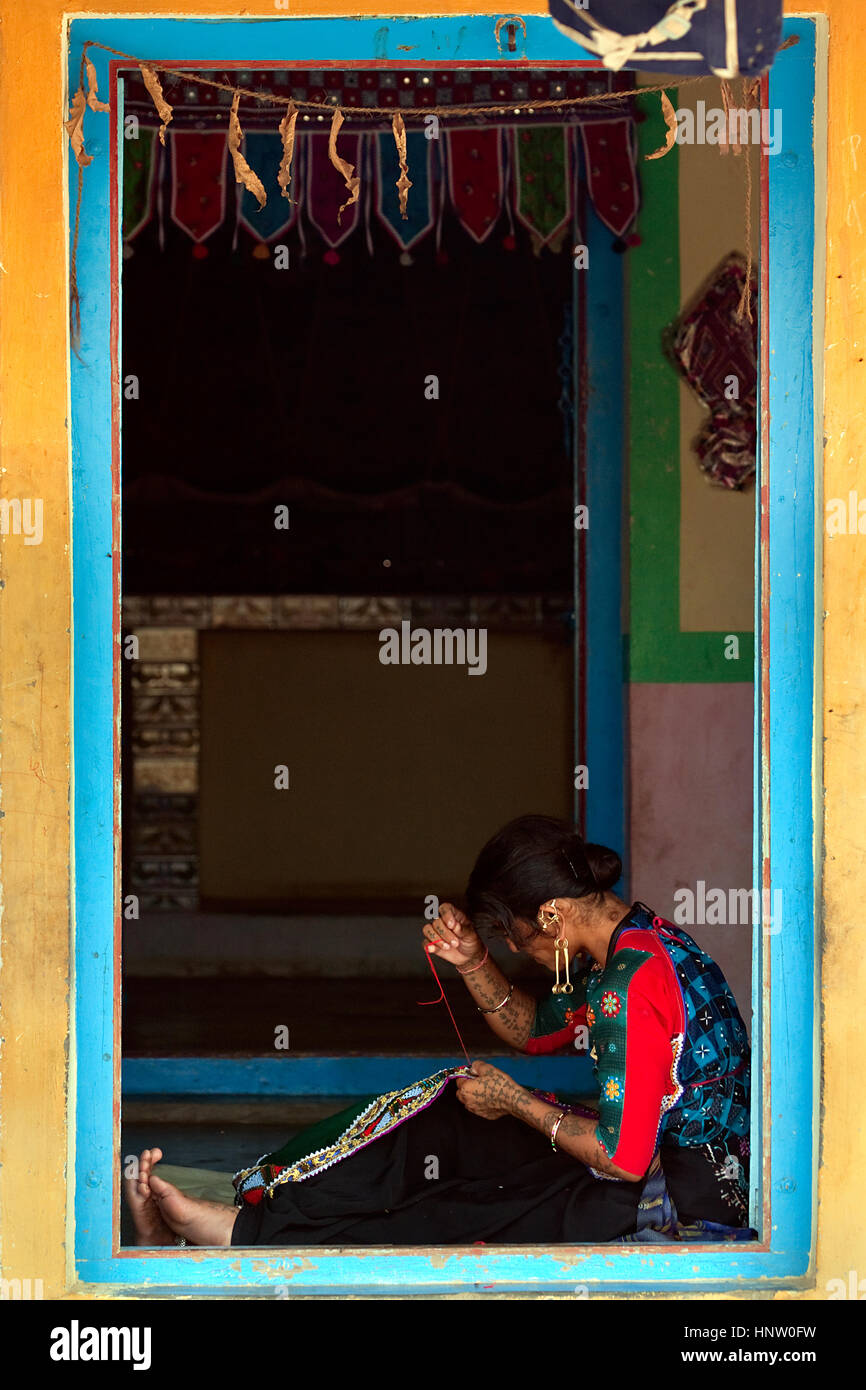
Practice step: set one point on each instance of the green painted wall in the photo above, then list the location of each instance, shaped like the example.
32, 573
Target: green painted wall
656, 648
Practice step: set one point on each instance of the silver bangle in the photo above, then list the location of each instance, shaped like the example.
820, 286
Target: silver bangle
181, 1240
498, 1006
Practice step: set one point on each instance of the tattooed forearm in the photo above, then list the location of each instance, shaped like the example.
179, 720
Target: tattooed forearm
534, 1112
488, 987
575, 1135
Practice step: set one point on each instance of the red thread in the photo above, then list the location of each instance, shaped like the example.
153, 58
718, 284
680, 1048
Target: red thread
443, 999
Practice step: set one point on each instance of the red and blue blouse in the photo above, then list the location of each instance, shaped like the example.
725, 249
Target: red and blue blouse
670, 1050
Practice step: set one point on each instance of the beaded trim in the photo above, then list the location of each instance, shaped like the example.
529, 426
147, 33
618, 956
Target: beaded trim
669, 1101
604, 1177
380, 1117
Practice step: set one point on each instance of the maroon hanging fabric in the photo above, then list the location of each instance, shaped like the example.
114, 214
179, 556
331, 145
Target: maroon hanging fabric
326, 187
611, 172
198, 182
476, 178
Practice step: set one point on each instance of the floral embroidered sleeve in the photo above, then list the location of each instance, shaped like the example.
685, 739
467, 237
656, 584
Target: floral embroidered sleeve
557, 1017
632, 1026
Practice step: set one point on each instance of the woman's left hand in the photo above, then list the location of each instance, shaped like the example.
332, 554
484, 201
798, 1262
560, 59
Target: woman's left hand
489, 1093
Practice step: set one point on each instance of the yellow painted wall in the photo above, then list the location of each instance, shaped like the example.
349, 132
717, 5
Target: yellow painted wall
35, 619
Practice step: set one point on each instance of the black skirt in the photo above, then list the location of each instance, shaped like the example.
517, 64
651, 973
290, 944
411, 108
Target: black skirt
447, 1177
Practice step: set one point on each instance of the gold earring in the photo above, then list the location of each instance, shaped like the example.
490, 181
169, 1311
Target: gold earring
560, 944
551, 921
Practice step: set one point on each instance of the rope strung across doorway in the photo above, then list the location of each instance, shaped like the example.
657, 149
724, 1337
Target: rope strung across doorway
246, 176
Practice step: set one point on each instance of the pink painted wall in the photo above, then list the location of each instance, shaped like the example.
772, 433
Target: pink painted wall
691, 806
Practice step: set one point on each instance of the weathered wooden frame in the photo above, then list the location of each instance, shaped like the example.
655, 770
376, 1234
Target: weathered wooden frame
786, 765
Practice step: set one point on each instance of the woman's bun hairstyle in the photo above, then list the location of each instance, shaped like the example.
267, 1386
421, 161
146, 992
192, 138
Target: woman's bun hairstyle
530, 861
605, 866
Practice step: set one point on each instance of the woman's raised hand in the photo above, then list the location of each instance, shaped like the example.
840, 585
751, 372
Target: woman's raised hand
453, 937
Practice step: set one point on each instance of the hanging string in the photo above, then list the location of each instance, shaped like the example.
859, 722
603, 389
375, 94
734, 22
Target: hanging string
744, 308
443, 999
377, 112
74, 296
751, 91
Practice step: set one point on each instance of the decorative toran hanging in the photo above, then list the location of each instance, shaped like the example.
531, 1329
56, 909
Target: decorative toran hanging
433, 96
514, 157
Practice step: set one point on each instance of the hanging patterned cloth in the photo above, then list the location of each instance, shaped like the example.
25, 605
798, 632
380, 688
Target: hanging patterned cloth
198, 188
476, 178
265, 152
717, 353
542, 173
472, 156
611, 172
326, 189
420, 216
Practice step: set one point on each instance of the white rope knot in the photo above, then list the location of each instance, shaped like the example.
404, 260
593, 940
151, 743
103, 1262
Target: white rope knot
616, 50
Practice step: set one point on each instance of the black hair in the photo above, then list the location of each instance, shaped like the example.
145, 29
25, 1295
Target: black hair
528, 862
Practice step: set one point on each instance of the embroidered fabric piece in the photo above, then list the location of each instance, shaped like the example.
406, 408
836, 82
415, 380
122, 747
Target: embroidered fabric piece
717, 354
382, 1115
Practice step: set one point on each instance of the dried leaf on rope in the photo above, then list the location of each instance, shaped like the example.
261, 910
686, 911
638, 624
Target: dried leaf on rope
74, 127
287, 132
403, 183
353, 183
153, 85
92, 88
243, 173
671, 131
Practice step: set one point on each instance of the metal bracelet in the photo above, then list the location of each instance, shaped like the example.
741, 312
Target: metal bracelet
557, 1122
473, 968
498, 1006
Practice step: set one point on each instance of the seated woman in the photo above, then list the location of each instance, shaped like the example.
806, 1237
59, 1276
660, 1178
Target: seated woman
664, 1156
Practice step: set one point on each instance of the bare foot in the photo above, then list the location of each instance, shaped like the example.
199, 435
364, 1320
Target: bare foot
150, 1229
200, 1221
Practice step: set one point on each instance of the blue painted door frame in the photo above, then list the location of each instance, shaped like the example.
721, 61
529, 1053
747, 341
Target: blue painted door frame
786, 841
